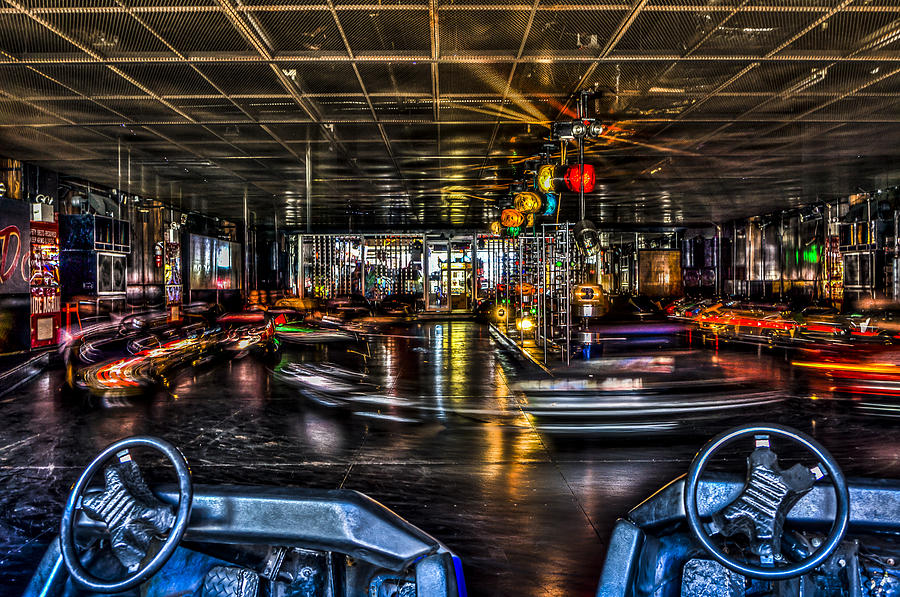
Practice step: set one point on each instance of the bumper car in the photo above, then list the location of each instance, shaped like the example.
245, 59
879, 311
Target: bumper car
401, 305
624, 321
866, 370
775, 530
104, 341
635, 402
309, 333
496, 311
749, 324
151, 361
127, 538
349, 306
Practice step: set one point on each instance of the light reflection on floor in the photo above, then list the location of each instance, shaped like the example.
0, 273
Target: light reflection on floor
529, 513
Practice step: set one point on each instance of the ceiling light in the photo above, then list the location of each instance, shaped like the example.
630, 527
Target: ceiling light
567, 130
595, 130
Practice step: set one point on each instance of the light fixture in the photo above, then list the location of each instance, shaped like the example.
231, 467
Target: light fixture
511, 218
551, 202
595, 130
587, 177
545, 176
528, 202
496, 228
524, 324
567, 130
587, 238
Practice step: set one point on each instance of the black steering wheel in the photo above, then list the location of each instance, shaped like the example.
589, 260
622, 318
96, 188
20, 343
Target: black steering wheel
133, 515
768, 495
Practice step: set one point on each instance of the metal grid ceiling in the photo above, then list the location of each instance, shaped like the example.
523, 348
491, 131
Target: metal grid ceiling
417, 113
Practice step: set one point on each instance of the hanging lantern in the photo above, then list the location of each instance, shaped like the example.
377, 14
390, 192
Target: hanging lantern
545, 178
514, 231
529, 220
496, 228
551, 202
588, 178
510, 218
528, 202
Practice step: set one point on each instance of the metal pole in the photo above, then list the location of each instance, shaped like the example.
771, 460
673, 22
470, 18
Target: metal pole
308, 172
472, 270
246, 244
426, 273
301, 268
277, 259
581, 206
734, 258
119, 179
781, 256
546, 287
567, 293
521, 279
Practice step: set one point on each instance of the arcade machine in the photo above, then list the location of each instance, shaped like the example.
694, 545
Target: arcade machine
93, 260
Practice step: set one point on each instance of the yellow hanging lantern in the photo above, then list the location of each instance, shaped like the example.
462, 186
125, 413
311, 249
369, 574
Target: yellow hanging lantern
528, 202
529, 221
545, 176
496, 228
510, 218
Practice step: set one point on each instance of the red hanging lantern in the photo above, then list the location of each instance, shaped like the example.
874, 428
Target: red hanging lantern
588, 177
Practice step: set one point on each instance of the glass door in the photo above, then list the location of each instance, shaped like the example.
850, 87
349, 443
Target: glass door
460, 274
437, 274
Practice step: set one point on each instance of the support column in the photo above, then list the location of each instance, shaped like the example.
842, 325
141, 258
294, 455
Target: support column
474, 271
308, 173
246, 245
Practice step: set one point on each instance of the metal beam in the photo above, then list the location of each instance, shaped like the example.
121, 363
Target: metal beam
499, 7
416, 58
611, 43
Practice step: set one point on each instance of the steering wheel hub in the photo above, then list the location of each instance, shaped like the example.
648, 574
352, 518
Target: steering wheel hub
134, 517
762, 506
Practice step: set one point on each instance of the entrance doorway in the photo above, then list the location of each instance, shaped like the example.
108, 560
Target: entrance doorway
450, 282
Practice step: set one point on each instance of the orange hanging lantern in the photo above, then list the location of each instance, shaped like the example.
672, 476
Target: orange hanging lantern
528, 202
496, 228
587, 177
525, 289
511, 218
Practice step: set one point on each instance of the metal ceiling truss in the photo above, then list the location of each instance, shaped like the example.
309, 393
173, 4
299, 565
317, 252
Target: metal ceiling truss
413, 128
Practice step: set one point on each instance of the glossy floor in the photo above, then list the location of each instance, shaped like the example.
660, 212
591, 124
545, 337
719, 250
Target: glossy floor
529, 514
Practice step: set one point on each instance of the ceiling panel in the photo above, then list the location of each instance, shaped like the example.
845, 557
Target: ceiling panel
418, 114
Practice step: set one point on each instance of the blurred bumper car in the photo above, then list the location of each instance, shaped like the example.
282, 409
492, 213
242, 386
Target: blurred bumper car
639, 394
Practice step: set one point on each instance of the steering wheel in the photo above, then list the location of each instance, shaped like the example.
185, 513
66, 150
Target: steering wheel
133, 515
769, 494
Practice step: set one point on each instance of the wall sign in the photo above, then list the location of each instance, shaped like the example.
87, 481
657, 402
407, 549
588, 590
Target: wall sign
15, 245
45, 288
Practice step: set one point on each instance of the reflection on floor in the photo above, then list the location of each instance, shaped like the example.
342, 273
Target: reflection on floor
528, 513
